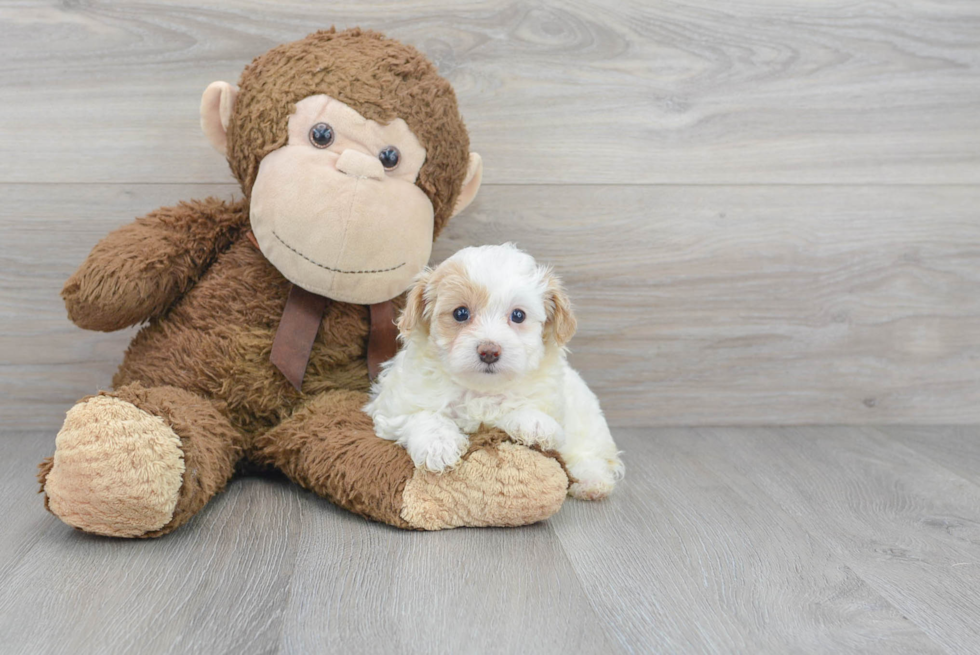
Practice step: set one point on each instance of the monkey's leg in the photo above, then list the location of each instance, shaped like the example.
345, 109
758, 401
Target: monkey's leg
329, 447
138, 461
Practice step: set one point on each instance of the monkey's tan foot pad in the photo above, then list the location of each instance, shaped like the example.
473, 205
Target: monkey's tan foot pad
116, 470
502, 485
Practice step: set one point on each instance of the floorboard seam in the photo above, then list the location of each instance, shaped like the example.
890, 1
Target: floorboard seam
605, 626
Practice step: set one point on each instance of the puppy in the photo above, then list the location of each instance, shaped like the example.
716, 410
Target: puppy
484, 339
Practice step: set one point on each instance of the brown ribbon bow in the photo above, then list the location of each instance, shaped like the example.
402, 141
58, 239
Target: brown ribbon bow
300, 323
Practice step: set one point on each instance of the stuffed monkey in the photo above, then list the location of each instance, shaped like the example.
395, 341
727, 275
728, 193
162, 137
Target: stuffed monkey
263, 317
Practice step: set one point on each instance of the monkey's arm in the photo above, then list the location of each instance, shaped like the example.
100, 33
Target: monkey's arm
139, 270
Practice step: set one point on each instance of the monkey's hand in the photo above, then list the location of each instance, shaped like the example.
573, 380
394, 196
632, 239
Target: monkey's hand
139, 270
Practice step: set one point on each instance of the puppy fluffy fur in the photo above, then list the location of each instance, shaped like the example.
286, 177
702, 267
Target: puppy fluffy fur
484, 338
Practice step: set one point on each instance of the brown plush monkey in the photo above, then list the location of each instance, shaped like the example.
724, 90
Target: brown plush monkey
352, 157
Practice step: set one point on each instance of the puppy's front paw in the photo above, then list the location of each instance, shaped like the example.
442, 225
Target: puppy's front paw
595, 477
438, 450
532, 427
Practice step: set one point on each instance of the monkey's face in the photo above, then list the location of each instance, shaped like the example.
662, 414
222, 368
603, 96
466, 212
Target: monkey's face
337, 210
350, 168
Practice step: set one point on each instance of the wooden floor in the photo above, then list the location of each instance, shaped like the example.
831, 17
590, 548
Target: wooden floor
720, 540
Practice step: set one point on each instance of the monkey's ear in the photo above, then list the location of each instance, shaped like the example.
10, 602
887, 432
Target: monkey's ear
561, 323
474, 175
217, 104
414, 313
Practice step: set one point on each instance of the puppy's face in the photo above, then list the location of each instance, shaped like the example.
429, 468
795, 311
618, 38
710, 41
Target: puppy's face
490, 313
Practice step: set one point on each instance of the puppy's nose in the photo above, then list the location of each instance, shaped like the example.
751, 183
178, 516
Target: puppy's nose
357, 164
489, 352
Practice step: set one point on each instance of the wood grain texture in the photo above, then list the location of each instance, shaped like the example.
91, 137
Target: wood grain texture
907, 526
956, 447
719, 540
697, 305
203, 590
679, 534
556, 92
23, 526
487, 591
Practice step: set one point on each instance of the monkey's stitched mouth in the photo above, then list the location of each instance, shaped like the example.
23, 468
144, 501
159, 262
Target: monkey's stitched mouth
330, 268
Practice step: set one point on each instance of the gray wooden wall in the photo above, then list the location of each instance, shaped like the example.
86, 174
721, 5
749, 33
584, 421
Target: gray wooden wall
767, 212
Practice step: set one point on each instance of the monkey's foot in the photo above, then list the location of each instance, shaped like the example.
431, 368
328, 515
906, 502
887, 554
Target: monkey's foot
498, 483
117, 470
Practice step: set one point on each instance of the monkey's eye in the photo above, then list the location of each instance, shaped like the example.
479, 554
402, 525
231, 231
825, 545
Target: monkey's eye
321, 135
461, 314
517, 316
389, 157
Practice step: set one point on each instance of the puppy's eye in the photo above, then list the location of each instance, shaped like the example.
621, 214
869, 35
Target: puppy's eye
461, 314
517, 316
321, 135
389, 157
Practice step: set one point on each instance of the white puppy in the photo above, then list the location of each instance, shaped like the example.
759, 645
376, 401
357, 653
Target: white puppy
484, 339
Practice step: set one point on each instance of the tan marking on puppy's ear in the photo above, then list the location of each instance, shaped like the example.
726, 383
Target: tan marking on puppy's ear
471, 184
414, 313
561, 323
217, 105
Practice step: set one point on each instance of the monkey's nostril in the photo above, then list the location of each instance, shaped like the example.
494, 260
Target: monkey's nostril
488, 352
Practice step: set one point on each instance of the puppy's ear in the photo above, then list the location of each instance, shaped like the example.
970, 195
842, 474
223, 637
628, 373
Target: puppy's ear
414, 313
561, 322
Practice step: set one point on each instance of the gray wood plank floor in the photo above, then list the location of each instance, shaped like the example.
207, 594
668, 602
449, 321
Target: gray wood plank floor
720, 540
